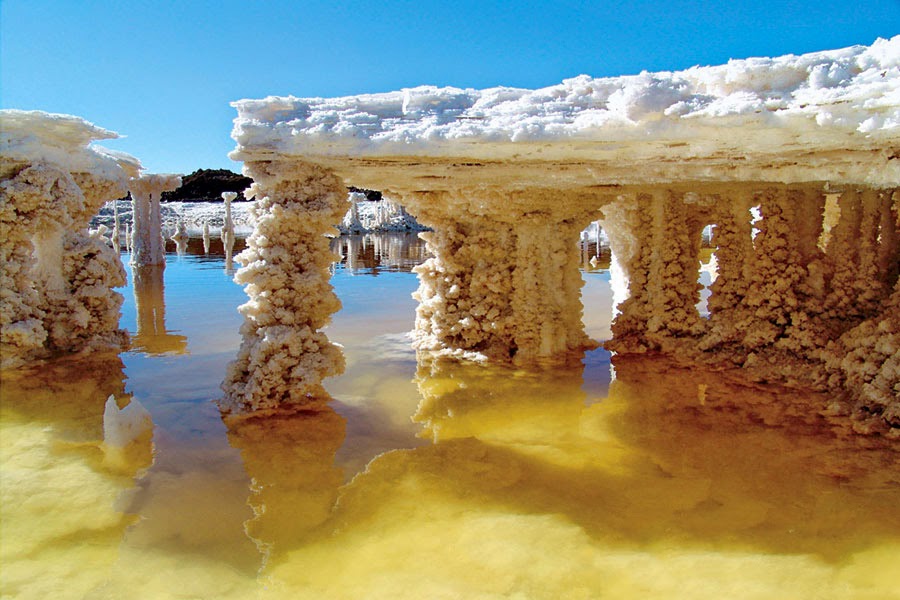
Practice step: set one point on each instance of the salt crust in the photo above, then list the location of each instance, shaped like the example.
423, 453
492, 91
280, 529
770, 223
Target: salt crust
506, 176
56, 277
845, 99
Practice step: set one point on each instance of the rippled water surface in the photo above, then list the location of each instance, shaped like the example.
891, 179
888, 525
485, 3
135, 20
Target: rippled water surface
427, 479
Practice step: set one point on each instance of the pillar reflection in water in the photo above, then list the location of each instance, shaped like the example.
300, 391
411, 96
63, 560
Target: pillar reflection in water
467, 399
149, 298
67, 478
289, 455
377, 252
675, 468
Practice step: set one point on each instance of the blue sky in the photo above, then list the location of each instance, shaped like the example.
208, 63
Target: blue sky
163, 73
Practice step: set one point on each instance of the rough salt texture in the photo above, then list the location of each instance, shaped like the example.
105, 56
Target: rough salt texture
789, 303
843, 100
284, 355
148, 246
508, 178
498, 285
56, 277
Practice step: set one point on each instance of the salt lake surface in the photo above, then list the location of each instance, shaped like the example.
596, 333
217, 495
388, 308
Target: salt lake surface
423, 478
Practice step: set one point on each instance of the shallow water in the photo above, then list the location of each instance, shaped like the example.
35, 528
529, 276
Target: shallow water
427, 479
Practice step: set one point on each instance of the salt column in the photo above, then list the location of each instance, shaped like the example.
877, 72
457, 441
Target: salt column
115, 231
147, 244
206, 238
351, 221
284, 355
180, 237
228, 226
228, 231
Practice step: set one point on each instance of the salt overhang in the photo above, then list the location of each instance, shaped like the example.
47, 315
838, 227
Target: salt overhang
807, 290
825, 116
65, 141
57, 277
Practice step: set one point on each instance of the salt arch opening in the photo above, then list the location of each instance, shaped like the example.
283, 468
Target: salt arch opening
507, 178
57, 278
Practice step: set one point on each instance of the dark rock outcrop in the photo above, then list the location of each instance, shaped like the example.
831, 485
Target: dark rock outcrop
207, 185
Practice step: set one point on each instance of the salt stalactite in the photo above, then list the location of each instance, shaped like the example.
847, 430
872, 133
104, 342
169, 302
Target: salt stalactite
655, 236
152, 336
503, 285
180, 237
206, 239
148, 247
784, 304
284, 356
56, 276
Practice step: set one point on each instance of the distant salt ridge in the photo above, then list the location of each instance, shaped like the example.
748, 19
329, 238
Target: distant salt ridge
823, 95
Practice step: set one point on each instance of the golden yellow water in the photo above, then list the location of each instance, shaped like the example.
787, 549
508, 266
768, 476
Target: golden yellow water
431, 479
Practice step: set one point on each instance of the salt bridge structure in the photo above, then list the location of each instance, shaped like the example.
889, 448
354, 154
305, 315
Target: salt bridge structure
794, 161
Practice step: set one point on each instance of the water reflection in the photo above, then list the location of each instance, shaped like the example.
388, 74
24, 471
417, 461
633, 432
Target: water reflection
667, 483
379, 252
152, 336
679, 480
62, 495
289, 455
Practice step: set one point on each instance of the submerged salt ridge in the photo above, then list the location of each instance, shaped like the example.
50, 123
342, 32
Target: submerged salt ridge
828, 95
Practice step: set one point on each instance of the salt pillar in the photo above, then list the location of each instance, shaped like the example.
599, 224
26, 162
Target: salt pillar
206, 237
351, 223
56, 277
180, 237
115, 232
504, 281
655, 235
284, 356
228, 224
148, 247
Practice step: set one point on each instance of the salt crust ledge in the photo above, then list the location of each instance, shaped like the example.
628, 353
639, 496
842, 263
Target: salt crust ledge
57, 279
787, 136
748, 120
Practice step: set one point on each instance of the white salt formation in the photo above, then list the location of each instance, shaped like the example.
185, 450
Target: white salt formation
180, 237
351, 223
148, 247
507, 178
122, 426
206, 238
116, 234
228, 225
284, 355
56, 277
